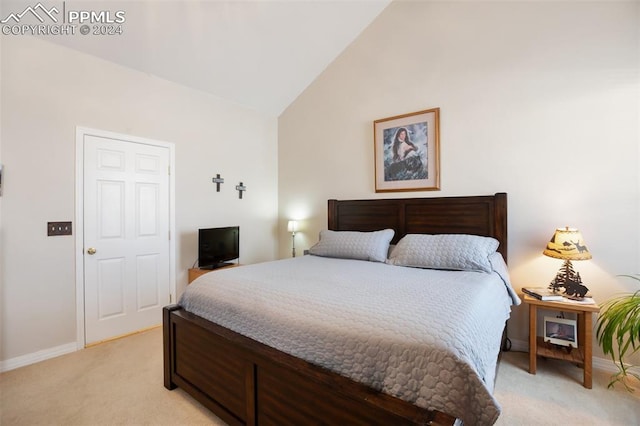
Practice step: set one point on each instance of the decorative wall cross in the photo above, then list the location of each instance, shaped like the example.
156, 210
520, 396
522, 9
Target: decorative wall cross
241, 188
217, 180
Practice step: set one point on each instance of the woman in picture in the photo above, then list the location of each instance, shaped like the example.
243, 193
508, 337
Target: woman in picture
402, 146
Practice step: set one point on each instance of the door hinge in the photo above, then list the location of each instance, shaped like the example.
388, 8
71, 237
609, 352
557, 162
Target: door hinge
169, 170
171, 298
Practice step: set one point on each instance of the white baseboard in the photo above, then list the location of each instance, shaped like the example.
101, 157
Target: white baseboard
519, 346
603, 364
32, 358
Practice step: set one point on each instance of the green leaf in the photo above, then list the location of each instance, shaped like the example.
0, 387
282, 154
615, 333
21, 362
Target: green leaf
618, 332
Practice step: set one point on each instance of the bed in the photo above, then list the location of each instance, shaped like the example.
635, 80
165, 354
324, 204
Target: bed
244, 381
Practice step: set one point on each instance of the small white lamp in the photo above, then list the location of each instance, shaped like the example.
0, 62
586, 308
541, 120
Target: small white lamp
292, 226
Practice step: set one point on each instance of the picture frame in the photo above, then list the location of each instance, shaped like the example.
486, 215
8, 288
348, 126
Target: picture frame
409, 162
561, 331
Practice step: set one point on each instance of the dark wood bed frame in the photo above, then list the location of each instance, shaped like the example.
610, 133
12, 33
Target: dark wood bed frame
245, 382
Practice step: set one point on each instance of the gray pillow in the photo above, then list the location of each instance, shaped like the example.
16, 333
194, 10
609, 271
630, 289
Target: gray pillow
460, 252
372, 246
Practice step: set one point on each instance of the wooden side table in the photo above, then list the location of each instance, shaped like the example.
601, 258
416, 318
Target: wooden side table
581, 355
196, 272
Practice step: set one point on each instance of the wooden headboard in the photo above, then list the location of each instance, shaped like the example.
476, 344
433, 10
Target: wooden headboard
477, 215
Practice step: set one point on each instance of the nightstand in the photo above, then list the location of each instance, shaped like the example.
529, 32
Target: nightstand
581, 355
196, 272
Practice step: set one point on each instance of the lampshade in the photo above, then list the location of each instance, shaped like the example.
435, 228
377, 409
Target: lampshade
292, 226
567, 244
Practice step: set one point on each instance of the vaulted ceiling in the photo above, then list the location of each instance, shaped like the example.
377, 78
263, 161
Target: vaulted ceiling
261, 54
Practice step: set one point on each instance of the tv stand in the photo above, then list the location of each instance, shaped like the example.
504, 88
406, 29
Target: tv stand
217, 266
196, 272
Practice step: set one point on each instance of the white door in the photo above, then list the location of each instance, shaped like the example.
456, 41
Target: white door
126, 236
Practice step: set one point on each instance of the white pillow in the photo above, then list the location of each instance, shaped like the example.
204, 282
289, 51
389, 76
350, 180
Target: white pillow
372, 246
460, 252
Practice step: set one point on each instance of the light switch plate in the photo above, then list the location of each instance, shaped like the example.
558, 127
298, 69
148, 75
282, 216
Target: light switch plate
58, 228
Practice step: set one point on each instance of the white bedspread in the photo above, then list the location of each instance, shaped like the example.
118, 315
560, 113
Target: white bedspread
428, 337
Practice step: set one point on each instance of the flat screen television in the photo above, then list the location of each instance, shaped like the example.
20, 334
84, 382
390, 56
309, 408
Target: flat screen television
217, 246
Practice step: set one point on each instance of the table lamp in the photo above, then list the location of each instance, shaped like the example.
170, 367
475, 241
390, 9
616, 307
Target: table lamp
567, 244
292, 226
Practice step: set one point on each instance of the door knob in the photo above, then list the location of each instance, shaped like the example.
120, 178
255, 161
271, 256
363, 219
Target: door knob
91, 250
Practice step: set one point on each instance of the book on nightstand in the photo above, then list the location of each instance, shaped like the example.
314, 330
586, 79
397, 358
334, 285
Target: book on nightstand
542, 293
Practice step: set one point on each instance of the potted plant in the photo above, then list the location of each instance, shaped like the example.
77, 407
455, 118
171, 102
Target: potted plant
618, 333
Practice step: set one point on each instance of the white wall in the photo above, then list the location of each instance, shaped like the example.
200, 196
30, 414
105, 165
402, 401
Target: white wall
538, 99
48, 90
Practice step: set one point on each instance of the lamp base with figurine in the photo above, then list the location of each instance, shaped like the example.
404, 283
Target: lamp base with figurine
570, 280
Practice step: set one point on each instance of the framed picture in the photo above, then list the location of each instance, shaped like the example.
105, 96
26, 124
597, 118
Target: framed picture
407, 152
560, 331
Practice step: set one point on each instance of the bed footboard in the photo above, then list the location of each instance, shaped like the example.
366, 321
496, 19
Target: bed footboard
247, 383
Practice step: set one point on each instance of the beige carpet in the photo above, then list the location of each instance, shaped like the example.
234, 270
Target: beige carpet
555, 395
115, 383
120, 383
